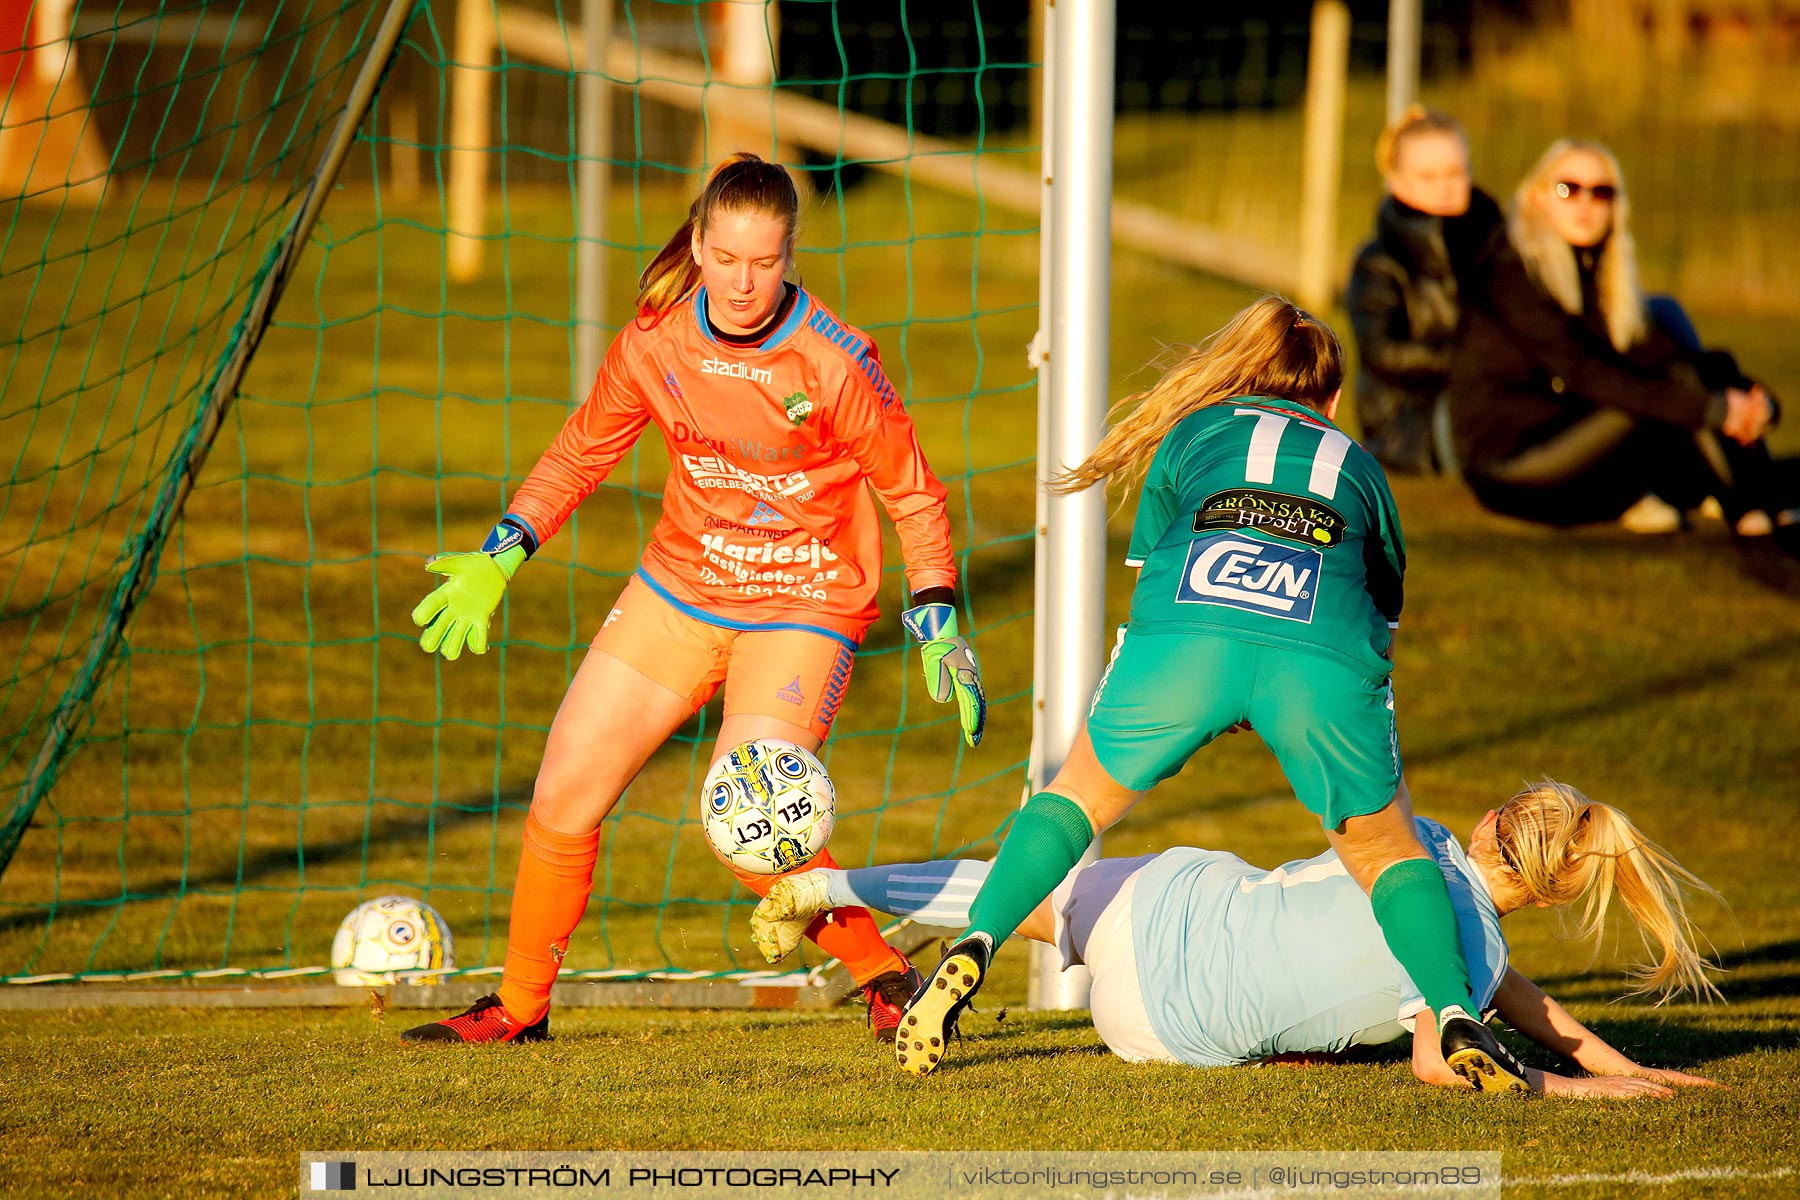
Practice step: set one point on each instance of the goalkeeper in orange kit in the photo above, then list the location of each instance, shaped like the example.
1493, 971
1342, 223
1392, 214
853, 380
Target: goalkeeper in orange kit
760, 577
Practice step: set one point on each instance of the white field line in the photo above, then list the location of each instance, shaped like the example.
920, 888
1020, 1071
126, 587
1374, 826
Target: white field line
1648, 1179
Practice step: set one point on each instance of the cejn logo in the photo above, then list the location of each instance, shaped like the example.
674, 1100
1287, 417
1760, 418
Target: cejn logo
1278, 581
736, 370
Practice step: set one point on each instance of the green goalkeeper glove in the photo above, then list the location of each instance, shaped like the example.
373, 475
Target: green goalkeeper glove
951, 671
458, 611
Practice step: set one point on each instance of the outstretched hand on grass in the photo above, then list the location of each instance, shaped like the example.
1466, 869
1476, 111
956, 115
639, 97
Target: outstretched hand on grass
1672, 1078
1606, 1087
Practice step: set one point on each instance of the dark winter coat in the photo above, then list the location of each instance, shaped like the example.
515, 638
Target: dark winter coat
1524, 370
1404, 307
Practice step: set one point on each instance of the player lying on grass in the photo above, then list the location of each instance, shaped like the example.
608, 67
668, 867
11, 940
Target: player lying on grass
760, 577
1271, 561
1200, 958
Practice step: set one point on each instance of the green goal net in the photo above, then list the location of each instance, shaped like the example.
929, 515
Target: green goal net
265, 746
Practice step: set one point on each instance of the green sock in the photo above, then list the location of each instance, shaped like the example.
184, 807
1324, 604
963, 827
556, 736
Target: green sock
1412, 906
1047, 840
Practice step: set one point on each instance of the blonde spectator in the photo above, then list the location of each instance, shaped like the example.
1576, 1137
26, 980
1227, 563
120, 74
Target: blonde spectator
1574, 399
1404, 298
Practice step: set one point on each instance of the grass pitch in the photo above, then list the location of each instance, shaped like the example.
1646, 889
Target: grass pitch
1645, 671
146, 1104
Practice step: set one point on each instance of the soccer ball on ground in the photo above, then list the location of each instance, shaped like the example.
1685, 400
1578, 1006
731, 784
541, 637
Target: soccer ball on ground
768, 806
382, 938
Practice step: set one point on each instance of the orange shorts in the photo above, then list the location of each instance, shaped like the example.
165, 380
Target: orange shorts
794, 675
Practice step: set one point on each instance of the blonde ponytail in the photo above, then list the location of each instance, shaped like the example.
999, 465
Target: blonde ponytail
742, 182
1560, 847
1271, 348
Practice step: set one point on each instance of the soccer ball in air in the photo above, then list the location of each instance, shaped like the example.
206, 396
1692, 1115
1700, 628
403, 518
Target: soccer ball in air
768, 806
383, 938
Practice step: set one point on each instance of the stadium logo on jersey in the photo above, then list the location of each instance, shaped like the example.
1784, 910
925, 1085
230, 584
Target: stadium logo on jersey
1275, 513
709, 471
1278, 581
736, 370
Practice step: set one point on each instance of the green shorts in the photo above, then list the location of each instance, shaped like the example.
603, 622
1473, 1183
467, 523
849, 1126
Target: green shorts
1168, 694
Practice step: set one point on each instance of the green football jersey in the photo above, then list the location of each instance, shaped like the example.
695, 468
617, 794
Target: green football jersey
1261, 520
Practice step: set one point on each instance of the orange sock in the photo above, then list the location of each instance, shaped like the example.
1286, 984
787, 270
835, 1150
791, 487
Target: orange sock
849, 935
556, 873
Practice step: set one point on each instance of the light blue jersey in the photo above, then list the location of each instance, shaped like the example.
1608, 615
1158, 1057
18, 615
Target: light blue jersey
1236, 963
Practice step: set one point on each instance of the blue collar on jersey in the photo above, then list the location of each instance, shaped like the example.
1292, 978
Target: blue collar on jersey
795, 318
1304, 412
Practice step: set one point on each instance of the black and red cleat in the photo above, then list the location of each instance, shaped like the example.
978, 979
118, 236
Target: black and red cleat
484, 1021
887, 996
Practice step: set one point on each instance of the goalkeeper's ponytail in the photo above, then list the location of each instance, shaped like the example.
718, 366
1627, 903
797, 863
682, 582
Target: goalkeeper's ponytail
743, 182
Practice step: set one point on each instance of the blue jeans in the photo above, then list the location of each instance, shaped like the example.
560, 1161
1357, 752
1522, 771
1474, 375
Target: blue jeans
1667, 315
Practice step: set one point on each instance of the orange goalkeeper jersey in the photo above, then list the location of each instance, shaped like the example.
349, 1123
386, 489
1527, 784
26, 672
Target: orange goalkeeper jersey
767, 521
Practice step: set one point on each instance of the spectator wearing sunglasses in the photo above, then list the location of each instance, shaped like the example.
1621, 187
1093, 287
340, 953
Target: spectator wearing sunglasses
1403, 297
1574, 400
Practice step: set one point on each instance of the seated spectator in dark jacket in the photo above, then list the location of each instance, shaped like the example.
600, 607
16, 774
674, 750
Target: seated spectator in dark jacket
1403, 295
1571, 402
